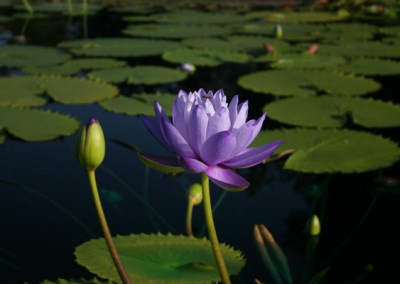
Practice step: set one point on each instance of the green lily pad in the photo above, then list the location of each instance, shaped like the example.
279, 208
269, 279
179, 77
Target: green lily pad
205, 57
119, 47
4, 19
327, 111
29, 90
307, 61
360, 48
348, 31
296, 17
158, 259
307, 83
392, 30
19, 56
175, 31
140, 104
36, 125
148, 75
76, 281
370, 67
332, 150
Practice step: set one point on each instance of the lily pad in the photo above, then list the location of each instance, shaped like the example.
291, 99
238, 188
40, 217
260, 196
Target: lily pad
392, 30
307, 61
327, 111
119, 47
360, 48
29, 90
307, 83
148, 75
296, 17
19, 56
36, 125
205, 57
348, 31
140, 104
175, 31
370, 67
159, 259
332, 150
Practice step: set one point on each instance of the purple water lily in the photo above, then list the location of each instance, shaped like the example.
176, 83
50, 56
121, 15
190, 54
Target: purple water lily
208, 135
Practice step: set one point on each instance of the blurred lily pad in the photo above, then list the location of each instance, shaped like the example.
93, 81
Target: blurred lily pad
119, 47
36, 125
327, 111
332, 150
296, 17
140, 75
360, 48
19, 56
140, 104
370, 67
307, 83
30, 90
151, 259
391, 30
348, 31
307, 61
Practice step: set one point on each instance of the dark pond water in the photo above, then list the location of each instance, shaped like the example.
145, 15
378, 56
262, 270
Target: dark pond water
47, 210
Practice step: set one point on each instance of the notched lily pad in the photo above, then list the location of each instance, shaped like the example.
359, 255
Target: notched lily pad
151, 259
332, 150
36, 125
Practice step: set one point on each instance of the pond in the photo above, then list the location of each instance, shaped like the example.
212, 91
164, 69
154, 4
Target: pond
326, 74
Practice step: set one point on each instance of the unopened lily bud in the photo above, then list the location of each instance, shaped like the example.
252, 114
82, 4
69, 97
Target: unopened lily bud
278, 31
195, 193
268, 48
90, 146
312, 48
313, 226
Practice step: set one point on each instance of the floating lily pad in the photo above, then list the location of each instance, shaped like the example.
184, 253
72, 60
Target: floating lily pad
36, 125
119, 47
307, 83
296, 17
205, 57
360, 48
159, 259
76, 281
348, 31
307, 61
332, 150
392, 30
140, 75
370, 67
29, 90
140, 104
18, 55
175, 31
327, 111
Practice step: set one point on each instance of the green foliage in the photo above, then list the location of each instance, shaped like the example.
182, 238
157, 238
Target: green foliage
330, 151
360, 48
296, 17
391, 30
327, 111
36, 125
158, 258
348, 31
307, 61
307, 83
370, 67
49, 7
76, 281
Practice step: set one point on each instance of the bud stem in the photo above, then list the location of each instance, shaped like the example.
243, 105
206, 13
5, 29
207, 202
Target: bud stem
106, 230
189, 217
212, 234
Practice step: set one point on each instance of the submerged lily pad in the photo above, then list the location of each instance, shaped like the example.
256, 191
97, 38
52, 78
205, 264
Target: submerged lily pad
119, 47
36, 125
296, 17
140, 75
370, 67
307, 83
360, 48
307, 61
158, 258
327, 111
332, 150
140, 104
21, 55
29, 90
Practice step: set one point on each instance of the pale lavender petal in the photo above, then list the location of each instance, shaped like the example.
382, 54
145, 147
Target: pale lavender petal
153, 126
258, 127
161, 163
253, 156
175, 140
233, 109
218, 147
159, 111
244, 136
242, 115
226, 178
209, 107
219, 99
178, 117
193, 165
219, 122
197, 129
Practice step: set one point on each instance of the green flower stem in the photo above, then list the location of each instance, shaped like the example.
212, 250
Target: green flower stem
212, 234
106, 230
28, 6
189, 218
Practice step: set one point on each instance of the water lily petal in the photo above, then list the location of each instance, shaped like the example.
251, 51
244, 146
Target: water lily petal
242, 115
159, 111
178, 116
218, 122
226, 178
233, 109
161, 163
197, 128
218, 147
153, 127
257, 127
175, 140
253, 156
193, 165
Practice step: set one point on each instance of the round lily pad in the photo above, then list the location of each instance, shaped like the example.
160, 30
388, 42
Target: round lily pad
370, 67
296, 17
29, 90
36, 125
360, 48
307, 83
327, 111
158, 259
140, 75
175, 31
348, 31
307, 61
140, 104
332, 150
23, 55
119, 47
